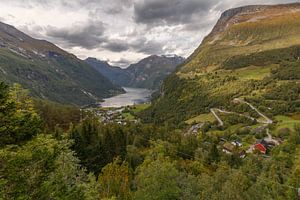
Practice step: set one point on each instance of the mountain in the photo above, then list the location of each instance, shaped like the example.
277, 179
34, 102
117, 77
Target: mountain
151, 71
116, 75
147, 73
252, 53
48, 71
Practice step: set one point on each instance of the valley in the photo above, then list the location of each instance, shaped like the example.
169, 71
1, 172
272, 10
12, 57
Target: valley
222, 124
148, 73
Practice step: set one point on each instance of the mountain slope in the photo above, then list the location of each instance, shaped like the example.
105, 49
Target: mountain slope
247, 30
253, 52
114, 74
147, 73
48, 71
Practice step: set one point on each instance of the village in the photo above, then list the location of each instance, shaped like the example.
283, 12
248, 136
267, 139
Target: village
121, 115
128, 114
262, 145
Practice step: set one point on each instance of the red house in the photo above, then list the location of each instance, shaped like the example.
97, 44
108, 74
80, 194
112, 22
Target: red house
261, 148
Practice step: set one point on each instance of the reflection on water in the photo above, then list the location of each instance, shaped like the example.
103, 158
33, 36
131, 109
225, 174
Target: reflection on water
131, 97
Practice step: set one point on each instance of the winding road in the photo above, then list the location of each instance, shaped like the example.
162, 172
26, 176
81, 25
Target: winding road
221, 123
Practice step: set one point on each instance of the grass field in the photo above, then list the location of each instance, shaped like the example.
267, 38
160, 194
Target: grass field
138, 108
287, 122
134, 110
128, 116
254, 72
201, 118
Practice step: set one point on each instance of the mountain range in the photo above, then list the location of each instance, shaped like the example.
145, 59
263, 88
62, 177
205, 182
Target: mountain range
147, 73
48, 71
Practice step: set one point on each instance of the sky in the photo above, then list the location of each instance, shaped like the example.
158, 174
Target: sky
120, 31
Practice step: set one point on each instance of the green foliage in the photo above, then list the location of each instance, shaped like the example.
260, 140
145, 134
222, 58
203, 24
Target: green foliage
18, 120
286, 92
56, 115
157, 180
41, 169
115, 180
181, 98
287, 71
97, 145
275, 56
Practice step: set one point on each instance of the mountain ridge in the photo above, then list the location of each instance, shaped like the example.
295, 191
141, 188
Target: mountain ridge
48, 71
146, 73
234, 29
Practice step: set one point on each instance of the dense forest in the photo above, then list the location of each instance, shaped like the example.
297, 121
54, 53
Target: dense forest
90, 160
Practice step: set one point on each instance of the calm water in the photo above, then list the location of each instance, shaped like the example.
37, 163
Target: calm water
131, 97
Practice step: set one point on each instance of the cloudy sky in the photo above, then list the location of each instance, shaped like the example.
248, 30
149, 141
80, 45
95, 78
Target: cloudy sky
120, 31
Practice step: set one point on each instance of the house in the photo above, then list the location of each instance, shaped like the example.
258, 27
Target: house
261, 148
259, 129
237, 143
228, 148
194, 129
242, 154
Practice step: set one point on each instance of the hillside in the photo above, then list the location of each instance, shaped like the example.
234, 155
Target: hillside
147, 73
48, 71
252, 53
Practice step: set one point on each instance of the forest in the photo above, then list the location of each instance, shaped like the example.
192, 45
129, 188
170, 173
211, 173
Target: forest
40, 159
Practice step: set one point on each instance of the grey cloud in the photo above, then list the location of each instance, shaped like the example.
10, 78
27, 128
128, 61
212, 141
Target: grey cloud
122, 62
170, 11
227, 4
141, 45
114, 6
116, 45
148, 46
180, 23
33, 30
88, 35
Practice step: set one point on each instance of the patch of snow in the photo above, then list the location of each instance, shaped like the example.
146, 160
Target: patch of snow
88, 94
3, 71
42, 95
170, 55
295, 10
257, 18
216, 38
16, 52
38, 53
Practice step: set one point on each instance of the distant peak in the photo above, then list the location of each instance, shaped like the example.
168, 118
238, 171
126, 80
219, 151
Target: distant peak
172, 56
92, 59
165, 56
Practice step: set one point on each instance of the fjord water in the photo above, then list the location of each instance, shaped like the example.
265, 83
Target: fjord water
132, 96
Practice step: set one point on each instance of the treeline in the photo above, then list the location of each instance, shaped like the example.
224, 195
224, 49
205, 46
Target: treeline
57, 115
275, 56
